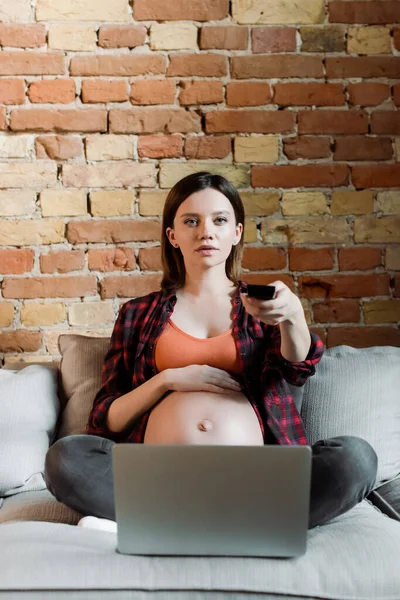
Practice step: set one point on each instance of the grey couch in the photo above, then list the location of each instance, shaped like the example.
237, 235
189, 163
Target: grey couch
43, 554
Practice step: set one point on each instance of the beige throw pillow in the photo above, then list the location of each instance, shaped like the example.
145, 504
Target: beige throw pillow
82, 359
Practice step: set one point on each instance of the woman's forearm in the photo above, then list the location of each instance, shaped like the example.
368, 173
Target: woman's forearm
295, 338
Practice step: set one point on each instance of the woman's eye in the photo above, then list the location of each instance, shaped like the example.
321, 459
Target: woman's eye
217, 219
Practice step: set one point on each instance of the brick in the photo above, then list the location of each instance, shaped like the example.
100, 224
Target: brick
344, 286
264, 149
369, 176
54, 91
173, 36
149, 259
90, 10
397, 145
385, 121
16, 261
112, 231
26, 62
368, 40
20, 341
329, 38
122, 65
368, 94
362, 148
98, 90
201, 92
248, 93
40, 314
40, 174
190, 10
363, 337
230, 37
290, 176
22, 36
388, 203
58, 147
352, 203
259, 11
250, 232
369, 230
308, 94
266, 279
64, 261
303, 203
392, 258
198, 65
19, 146
42, 119
112, 259
256, 259
29, 232
6, 314
381, 311
75, 37
108, 147
160, 146
260, 203
306, 147
337, 311
154, 120
308, 259
365, 67
313, 230
249, 121
396, 291
359, 259
17, 202
52, 336
117, 174
396, 94
87, 314
130, 286
50, 287
208, 146
171, 173
151, 203
15, 11
278, 66
69, 203
122, 36
3, 119
361, 11
155, 91
273, 39
12, 91
333, 121
396, 39
112, 203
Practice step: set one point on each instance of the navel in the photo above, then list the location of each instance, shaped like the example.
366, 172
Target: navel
205, 425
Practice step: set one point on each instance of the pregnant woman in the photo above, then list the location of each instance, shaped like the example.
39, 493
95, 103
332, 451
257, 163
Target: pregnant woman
199, 362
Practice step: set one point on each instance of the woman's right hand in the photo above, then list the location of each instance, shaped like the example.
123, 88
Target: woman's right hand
201, 378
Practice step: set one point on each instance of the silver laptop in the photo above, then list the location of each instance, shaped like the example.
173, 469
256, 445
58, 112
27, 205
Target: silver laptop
212, 500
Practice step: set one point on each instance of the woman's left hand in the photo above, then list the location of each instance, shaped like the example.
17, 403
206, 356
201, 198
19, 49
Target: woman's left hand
285, 306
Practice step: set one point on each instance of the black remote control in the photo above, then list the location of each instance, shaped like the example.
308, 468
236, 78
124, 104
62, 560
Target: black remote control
262, 292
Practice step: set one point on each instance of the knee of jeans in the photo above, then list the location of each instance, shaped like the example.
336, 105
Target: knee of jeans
56, 461
363, 456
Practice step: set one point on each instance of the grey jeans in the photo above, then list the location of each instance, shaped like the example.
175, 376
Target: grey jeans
78, 472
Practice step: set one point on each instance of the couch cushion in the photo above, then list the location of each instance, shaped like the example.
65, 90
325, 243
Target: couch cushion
82, 359
36, 506
353, 556
29, 408
355, 391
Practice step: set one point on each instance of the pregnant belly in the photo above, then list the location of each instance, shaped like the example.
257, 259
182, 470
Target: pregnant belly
204, 418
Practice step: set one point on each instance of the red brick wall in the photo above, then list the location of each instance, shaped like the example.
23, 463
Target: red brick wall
104, 106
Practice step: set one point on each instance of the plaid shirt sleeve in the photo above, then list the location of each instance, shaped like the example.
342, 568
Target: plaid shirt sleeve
115, 382
295, 373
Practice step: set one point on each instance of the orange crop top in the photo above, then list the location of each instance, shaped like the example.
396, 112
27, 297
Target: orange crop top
175, 349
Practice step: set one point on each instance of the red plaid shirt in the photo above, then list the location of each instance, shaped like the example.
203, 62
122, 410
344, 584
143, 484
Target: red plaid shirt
265, 375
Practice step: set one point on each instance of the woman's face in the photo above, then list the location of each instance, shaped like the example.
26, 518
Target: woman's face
205, 218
